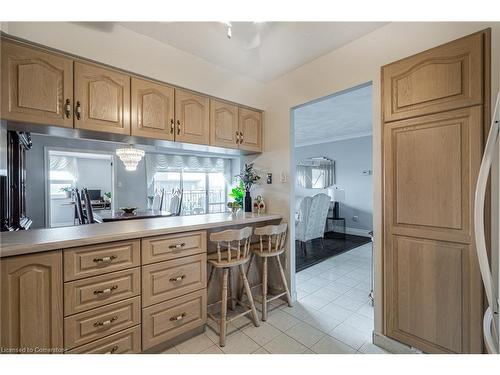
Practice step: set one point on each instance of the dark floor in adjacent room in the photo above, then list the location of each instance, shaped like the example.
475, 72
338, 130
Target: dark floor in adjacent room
334, 245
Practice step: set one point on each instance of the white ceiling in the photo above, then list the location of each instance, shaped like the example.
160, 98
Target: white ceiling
263, 50
341, 116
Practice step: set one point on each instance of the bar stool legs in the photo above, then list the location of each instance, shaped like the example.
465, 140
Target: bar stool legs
255, 317
283, 279
264, 289
223, 308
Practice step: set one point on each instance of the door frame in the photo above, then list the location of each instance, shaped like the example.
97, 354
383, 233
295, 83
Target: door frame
377, 261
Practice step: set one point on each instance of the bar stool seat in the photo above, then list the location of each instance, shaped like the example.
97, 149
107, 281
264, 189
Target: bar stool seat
233, 251
271, 245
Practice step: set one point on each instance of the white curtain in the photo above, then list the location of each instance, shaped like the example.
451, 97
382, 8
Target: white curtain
59, 163
183, 163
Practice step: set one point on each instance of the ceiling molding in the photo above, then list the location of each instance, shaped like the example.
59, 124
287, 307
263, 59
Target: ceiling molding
335, 139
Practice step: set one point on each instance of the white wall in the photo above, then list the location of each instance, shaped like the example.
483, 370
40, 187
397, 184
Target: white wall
353, 64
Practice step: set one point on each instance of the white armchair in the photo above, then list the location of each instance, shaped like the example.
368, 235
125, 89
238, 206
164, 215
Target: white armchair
312, 218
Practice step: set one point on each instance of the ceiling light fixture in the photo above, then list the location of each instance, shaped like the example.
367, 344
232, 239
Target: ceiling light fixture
130, 157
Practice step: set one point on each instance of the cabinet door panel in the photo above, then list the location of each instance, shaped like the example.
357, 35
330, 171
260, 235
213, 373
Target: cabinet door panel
431, 165
223, 124
250, 123
152, 110
103, 96
192, 118
32, 302
36, 85
440, 79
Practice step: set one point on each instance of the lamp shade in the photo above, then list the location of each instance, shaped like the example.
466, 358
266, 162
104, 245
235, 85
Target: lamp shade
130, 157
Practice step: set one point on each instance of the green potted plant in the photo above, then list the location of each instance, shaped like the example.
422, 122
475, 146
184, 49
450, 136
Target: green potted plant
248, 177
107, 196
67, 191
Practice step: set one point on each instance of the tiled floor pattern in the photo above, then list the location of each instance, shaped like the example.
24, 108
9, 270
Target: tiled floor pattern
333, 315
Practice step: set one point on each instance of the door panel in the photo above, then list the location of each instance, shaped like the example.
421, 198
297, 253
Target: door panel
103, 97
440, 79
192, 118
36, 86
32, 302
223, 124
152, 110
250, 123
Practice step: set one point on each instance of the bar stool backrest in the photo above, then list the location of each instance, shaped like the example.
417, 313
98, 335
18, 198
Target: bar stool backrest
236, 242
272, 237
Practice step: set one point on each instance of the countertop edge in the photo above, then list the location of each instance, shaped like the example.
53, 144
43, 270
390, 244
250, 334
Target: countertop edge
25, 248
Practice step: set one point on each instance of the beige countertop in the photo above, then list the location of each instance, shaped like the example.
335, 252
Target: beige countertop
37, 240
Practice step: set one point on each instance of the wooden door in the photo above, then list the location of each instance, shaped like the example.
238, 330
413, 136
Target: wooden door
32, 302
152, 110
250, 124
432, 285
223, 124
192, 117
102, 99
37, 86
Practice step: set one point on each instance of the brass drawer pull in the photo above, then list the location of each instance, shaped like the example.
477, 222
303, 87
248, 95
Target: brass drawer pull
241, 138
177, 246
113, 350
106, 322
105, 291
237, 137
178, 317
172, 126
105, 259
178, 127
178, 278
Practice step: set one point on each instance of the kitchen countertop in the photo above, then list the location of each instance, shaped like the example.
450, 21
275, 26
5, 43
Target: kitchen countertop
37, 240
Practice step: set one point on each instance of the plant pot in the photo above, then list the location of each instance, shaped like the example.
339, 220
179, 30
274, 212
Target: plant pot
248, 202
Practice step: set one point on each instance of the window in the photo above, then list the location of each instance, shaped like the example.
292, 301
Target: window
203, 192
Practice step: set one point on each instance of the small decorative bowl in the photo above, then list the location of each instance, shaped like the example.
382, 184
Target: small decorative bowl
128, 210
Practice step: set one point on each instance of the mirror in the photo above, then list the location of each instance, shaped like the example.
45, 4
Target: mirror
316, 173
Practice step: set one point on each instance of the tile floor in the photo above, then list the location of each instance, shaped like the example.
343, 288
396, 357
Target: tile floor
333, 315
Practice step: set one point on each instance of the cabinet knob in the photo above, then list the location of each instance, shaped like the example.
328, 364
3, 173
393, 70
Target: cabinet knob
67, 108
78, 110
178, 127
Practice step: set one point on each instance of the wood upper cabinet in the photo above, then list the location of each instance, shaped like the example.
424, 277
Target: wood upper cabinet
192, 117
152, 110
250, 125
223, 124
37, 86
32, 302
440, 79
102, 99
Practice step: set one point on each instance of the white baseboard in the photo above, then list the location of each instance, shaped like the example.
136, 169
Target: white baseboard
357, 232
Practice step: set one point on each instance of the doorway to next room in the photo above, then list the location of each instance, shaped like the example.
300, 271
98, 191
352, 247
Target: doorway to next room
333, 213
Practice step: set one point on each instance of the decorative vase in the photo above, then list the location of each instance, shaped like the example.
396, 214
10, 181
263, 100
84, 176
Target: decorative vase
248, 202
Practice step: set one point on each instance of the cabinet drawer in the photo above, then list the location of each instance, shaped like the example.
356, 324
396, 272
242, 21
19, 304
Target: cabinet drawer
91, 325
167, 320
86, 294
127, 341
85, 261
173, 278
159, 248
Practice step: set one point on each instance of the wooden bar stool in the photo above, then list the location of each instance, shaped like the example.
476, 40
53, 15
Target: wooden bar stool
233, 250
271, 245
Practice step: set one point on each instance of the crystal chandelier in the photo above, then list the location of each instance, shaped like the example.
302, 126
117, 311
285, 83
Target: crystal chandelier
130, 157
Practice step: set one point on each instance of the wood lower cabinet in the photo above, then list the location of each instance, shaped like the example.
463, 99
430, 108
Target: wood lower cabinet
102, 99
224, 129
32, 303
37, 86
192, 113
250, 125
153, 109
432, 285
124, 342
